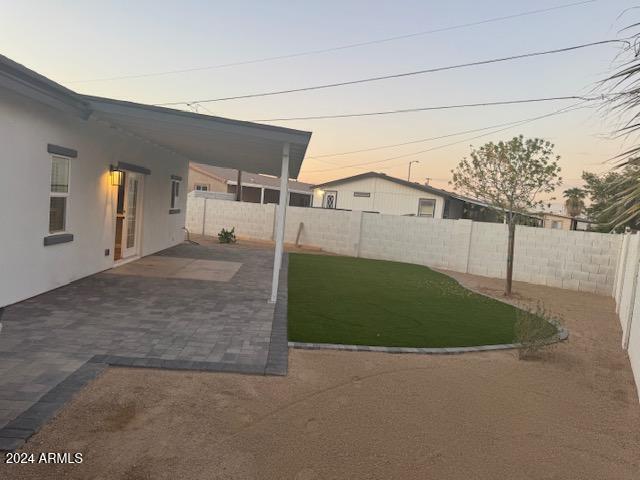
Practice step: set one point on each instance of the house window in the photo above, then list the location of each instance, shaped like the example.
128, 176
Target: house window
59, 194
202, 187
175, 193
362, 194
556, 224
426, 207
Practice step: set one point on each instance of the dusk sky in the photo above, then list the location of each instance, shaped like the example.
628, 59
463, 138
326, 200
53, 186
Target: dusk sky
71, 42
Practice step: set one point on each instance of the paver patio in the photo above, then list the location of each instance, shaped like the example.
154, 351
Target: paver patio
191, 306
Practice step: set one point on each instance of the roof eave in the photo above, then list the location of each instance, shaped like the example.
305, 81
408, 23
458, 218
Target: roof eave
18, 78
274, 132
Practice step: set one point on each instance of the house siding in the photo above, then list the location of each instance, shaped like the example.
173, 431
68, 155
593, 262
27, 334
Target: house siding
27, 266
196, 177
550, 218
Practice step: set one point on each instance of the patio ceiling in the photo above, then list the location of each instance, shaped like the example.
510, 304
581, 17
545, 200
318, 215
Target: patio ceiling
206, 139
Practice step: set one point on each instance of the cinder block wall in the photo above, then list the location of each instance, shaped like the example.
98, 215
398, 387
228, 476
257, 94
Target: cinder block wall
330, 230
583, 261
209, 216
433, 242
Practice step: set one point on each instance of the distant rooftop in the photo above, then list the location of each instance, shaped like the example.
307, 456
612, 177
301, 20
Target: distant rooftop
230, 176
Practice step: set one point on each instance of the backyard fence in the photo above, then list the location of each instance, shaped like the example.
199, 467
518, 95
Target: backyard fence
627, 298
584, 261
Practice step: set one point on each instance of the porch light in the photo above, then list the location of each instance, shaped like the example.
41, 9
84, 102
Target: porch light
117, 176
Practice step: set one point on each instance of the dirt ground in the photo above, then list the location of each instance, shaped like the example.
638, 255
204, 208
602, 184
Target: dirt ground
574, 414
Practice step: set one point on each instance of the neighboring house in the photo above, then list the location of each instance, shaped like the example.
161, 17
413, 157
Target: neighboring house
377, 192
563, 222
256, 188
93, 182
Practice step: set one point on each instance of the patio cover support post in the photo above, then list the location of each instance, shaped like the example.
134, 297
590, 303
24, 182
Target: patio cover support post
280, 221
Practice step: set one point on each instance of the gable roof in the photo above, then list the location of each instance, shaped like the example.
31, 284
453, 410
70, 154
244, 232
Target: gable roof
203, 138
230, 176
399, 181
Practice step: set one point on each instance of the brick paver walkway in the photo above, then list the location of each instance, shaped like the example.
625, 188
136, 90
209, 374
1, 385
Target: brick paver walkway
142, 320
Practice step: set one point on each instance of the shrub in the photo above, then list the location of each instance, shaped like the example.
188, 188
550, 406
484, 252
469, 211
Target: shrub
534, 330
227, 236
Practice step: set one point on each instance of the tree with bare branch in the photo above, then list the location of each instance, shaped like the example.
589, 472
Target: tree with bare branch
510, 176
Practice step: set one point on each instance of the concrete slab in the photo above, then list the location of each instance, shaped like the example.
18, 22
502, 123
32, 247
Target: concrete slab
175, 267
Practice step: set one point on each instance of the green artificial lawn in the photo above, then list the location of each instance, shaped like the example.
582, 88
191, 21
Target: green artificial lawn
373, 302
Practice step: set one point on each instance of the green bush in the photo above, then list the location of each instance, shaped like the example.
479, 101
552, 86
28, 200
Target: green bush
227, 236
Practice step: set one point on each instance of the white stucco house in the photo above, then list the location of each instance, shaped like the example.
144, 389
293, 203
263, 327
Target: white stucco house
90, 183
377, 192
381, 193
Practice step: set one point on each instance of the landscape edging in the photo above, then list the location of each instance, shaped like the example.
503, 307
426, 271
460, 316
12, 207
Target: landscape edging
562, 335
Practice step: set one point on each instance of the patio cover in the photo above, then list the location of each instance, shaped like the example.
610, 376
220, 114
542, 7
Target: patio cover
216, 141
206, 139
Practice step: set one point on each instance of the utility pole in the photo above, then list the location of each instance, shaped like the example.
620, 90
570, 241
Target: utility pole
409, 175
239, 187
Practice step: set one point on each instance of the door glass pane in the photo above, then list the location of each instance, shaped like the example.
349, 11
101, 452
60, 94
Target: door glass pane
120, 201
331, 200
132, 200
59, 175
57, 210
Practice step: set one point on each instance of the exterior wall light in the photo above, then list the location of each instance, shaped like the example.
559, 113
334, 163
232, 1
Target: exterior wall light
117, 176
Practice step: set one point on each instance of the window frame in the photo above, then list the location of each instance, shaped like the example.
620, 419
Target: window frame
432, 200
175, 194
198, 187
66, 195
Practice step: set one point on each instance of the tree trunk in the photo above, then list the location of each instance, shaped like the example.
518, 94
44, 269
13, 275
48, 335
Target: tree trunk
510, 248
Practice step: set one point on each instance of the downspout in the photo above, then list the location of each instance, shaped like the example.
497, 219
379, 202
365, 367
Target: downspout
204, 215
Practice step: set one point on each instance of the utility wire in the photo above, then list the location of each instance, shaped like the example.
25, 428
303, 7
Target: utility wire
338, 48
410, 142
441, 107
513, 124
398, 75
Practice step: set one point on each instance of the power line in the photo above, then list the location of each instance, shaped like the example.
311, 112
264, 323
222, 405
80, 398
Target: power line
337, 48
424, 109
410, 142
398, 75
511, 125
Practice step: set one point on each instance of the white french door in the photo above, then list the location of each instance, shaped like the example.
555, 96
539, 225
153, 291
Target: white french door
132, 220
